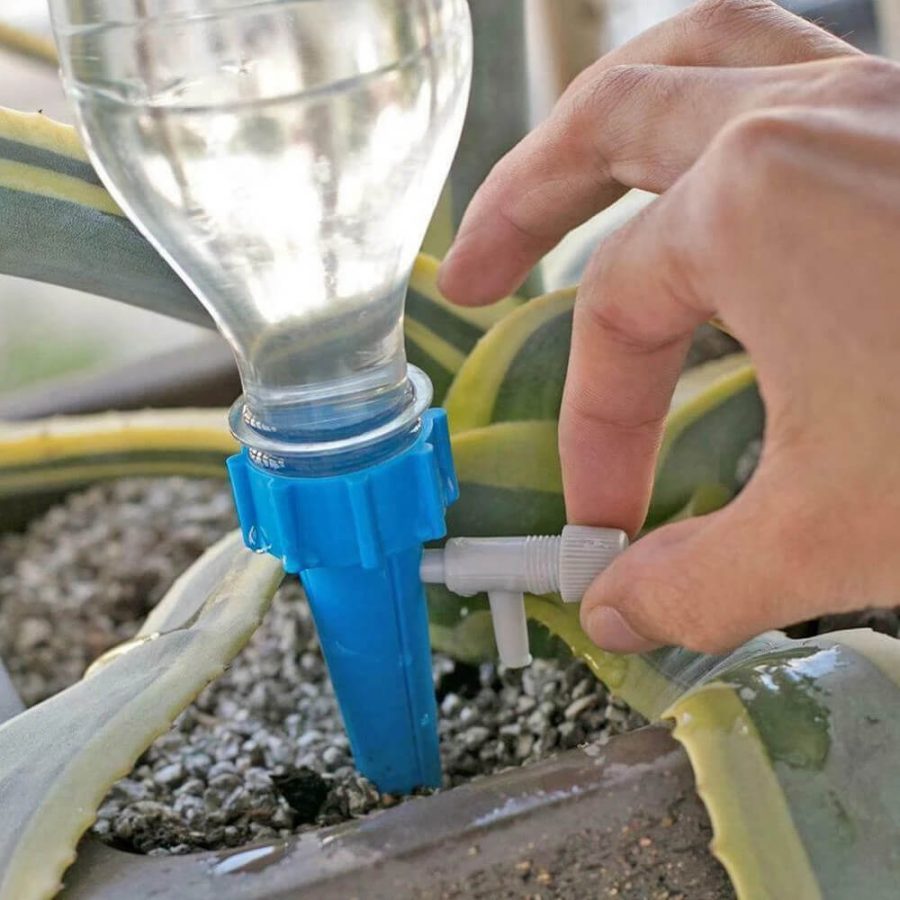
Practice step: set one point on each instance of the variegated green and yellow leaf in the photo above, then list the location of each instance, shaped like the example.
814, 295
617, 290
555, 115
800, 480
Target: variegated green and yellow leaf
440, 335
518, 369
716, 413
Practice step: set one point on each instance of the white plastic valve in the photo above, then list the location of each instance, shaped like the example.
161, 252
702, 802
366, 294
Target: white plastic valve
506, 568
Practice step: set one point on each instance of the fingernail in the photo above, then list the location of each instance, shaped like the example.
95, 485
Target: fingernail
607, 628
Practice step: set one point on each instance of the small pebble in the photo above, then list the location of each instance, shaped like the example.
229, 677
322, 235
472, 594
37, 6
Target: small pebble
261, 753
583, 704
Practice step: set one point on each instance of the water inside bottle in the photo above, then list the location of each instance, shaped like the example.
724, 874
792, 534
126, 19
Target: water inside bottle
285, 158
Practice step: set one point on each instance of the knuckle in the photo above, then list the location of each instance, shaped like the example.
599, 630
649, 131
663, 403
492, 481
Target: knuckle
606, 94
622, 323
864, 79
606, 113
609, 86
758, 139
749, 168
606, 309
868, 69
724, 14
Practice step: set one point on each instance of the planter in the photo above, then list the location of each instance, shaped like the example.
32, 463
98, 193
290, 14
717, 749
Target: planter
622, 817
618, 820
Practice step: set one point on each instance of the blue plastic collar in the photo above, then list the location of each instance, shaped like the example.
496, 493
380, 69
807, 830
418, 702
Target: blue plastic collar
356, 541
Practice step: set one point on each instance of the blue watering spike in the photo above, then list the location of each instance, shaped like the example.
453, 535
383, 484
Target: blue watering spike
356, 541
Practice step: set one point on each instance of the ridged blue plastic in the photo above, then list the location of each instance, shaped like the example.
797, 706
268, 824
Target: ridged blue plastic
356, 541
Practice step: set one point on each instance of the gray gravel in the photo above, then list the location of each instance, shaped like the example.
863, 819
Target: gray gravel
261, 753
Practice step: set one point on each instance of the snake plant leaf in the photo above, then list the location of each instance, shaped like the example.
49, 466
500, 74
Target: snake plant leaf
716, 412
510, 481
46, 458
518, 369
59, 758
60, 225
707, 498
42, 460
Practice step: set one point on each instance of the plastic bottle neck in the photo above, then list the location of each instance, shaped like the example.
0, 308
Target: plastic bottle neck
335, 435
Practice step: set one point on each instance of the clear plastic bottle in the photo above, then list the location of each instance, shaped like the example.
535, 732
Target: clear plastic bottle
285, 157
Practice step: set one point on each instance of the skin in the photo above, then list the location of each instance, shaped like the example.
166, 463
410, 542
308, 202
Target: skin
775, 149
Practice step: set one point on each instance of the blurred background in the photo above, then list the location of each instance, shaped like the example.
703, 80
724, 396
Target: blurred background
47, 331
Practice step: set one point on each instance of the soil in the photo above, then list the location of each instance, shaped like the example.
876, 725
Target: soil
650, 857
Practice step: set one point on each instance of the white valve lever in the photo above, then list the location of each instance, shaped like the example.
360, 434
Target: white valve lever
508, 567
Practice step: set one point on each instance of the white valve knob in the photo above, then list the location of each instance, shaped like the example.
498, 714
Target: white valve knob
583, 554
506, 568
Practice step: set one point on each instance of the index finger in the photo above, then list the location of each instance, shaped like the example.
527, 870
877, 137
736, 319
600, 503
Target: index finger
562, 173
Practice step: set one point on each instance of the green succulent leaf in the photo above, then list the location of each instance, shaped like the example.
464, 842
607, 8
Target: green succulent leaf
440, 335
510, 481
59, 758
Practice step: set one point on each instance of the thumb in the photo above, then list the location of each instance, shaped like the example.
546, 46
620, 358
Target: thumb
707, 584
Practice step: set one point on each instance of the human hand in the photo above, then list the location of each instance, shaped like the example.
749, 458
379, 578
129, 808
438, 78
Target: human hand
776, 149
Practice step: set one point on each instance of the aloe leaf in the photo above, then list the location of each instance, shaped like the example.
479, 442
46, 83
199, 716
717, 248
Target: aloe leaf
794, 748
802, 737
60, 225
59, 758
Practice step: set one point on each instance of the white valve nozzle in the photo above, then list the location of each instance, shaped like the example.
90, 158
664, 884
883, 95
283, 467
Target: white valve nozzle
508, 567
510, 628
